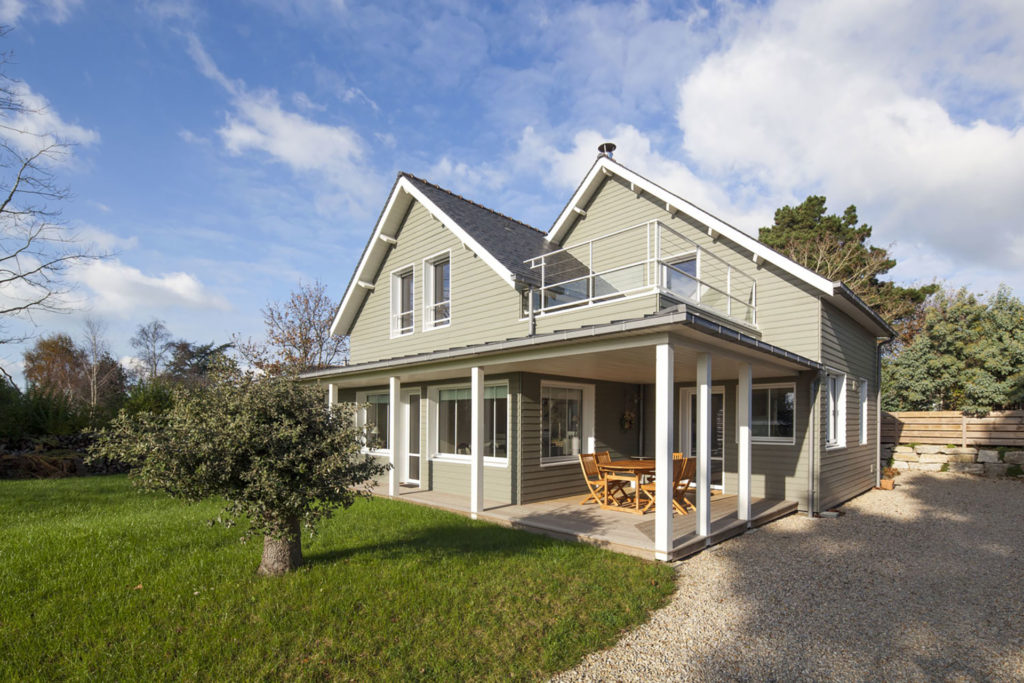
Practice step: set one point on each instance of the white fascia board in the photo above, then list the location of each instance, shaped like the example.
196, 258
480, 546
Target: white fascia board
378, 247
458, 231
374, 250
605, 166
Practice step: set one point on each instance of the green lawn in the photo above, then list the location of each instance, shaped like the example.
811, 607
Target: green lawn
98, 580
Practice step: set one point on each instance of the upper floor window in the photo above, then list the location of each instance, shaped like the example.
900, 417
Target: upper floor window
772, 411
836, 433
439, 293
681, 277
402, 293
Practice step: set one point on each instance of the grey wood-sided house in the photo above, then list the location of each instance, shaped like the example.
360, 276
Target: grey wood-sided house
490, 353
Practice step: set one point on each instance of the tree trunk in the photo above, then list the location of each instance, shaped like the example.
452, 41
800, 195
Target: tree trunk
282, 555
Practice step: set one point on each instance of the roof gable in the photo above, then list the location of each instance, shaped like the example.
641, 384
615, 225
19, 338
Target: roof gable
501, 242
606, 167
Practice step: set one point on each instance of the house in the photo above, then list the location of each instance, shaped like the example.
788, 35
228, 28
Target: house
489, 354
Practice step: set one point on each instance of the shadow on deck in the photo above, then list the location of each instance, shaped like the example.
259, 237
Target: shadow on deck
566, 519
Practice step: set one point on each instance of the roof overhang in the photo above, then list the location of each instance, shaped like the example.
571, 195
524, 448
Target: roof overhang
685, 328
605, 167
852, 305
403, 194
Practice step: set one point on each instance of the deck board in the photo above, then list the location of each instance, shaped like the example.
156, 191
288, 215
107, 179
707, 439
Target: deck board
566, 519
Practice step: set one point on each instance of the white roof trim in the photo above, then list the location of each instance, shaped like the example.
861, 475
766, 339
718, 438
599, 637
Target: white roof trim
605, 166
381, 241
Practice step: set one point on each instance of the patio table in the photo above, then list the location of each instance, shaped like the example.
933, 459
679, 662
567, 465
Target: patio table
626, 471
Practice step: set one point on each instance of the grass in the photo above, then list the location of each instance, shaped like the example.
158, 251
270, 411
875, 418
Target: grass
98, 580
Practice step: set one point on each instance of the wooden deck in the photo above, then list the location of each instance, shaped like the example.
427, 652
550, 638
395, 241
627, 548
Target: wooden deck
622, 532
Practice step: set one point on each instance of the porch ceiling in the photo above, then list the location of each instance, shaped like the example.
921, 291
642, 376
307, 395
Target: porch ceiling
627, 357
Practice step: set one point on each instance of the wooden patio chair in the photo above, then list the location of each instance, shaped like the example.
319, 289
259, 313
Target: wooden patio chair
679, 470
688, 472
592, 476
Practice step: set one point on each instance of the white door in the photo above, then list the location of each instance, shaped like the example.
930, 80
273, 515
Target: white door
688, 433
412, 431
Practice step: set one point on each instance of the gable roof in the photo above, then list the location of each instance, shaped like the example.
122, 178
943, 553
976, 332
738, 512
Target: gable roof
604, 167
837, 293
502, 242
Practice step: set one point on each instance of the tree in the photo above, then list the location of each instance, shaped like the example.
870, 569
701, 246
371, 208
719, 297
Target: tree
836, 247
55, 364
35, 248
270, 446
198, 363
298, 334
968, 356
106, 377
152, 342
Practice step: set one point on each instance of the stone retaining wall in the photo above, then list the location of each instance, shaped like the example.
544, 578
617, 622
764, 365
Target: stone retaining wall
990, 462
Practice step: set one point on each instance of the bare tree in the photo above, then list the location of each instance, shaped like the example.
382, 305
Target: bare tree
298, 334
152, 341
36, 249
101, 370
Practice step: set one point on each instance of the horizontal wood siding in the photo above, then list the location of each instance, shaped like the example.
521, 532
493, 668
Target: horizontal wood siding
787, 309
952, 427
611, 400
849, 348
484, 307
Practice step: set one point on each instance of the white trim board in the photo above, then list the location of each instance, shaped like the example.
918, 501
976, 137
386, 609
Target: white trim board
673, 203
376, 250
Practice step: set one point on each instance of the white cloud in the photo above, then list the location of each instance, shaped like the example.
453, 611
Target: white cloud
858, 101
191, 138
119, 289
334, 154
302, 101
461, 175
640, 153
57, 11
39, 126
103, 240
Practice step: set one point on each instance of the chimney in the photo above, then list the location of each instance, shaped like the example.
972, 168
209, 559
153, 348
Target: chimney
606, 149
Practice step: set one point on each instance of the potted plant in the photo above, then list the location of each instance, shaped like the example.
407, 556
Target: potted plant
888, 479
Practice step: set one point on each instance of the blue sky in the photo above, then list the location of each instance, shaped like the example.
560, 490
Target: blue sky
228, 150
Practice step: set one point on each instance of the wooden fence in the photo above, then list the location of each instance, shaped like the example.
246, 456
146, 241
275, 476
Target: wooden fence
943, 427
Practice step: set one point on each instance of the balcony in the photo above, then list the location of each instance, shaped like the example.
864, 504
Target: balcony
647, 258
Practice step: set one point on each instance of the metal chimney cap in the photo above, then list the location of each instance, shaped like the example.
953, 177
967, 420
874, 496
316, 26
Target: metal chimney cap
606, 149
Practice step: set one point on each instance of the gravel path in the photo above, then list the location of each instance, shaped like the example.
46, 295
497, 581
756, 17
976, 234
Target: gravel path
922, 583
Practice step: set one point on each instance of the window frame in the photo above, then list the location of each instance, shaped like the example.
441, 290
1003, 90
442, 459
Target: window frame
771, 440
587, 439
835, 405
674, 260
362, 397
434, 427
864, 405
428, 291
396, 296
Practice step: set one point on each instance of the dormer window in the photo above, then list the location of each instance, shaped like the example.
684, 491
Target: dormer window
438, 295
402, 288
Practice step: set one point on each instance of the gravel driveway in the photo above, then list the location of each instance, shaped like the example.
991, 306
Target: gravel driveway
922, 583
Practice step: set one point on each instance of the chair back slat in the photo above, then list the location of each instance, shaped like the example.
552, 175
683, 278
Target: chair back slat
603, 457
589, 463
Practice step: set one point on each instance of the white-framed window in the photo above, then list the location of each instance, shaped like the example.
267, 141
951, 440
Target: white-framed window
374, 421
681, 276
403, 288
566, 422
836, 418
773, 413
453, 427
863, 412
437, 295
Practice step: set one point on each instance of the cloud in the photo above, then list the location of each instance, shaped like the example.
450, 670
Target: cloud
639, 152
302, 101
333, 154
825, 98
119, 289
39, 126
103, 240
191, 138
57, 11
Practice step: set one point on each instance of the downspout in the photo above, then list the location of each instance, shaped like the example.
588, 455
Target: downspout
640, 421
878, 410
533, 318
815, 445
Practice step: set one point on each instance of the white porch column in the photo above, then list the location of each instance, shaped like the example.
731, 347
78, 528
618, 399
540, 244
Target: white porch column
663, 401
703, 444
476, 476
332, 395
396, 435
743, 407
